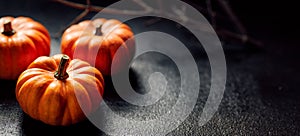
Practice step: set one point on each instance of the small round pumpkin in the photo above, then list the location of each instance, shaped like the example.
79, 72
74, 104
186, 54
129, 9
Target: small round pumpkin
97, 41
58, 91
22, 40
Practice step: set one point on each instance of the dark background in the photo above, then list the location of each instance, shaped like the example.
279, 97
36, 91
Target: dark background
261, 96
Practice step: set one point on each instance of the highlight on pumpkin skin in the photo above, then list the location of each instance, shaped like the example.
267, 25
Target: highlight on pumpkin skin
22, 40
46, 94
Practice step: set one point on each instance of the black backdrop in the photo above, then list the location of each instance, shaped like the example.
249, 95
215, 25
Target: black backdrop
261, 96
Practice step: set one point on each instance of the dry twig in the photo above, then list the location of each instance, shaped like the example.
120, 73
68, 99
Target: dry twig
227, 35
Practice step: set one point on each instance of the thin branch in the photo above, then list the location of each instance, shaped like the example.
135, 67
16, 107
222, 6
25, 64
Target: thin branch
88, 3
160, 6
181, 13
160, 11
239, 37
83, 14
78, 18
211, 13
227, 35
143, 5
78, 5
232, 16
107, 10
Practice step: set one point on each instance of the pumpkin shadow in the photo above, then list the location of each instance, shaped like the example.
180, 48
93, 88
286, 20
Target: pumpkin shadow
139, 72
110, 93
7, 91
33, 127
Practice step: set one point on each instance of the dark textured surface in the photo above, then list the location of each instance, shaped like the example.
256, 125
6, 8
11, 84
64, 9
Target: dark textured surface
261, 96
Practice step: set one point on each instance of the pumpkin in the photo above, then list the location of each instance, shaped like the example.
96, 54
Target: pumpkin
97, 41
59, 91
22, 40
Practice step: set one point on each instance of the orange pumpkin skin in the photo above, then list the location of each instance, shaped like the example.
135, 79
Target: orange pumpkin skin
28, 41
97, 41
55, 101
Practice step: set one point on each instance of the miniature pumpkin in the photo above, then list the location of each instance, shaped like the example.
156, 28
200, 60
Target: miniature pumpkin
22, 40
58, 91
97, 41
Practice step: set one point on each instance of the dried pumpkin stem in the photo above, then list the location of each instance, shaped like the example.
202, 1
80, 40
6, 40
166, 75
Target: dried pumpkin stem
8, 30
99, 31
61, 73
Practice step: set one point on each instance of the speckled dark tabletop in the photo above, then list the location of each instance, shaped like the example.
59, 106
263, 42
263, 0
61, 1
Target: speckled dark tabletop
261, 96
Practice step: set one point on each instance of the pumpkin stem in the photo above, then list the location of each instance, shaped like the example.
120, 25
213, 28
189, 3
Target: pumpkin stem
8, 30
61, 73
98, 31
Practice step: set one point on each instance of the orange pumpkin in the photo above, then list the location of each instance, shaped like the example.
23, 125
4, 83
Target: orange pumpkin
56, 91
97, 41
22, 40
